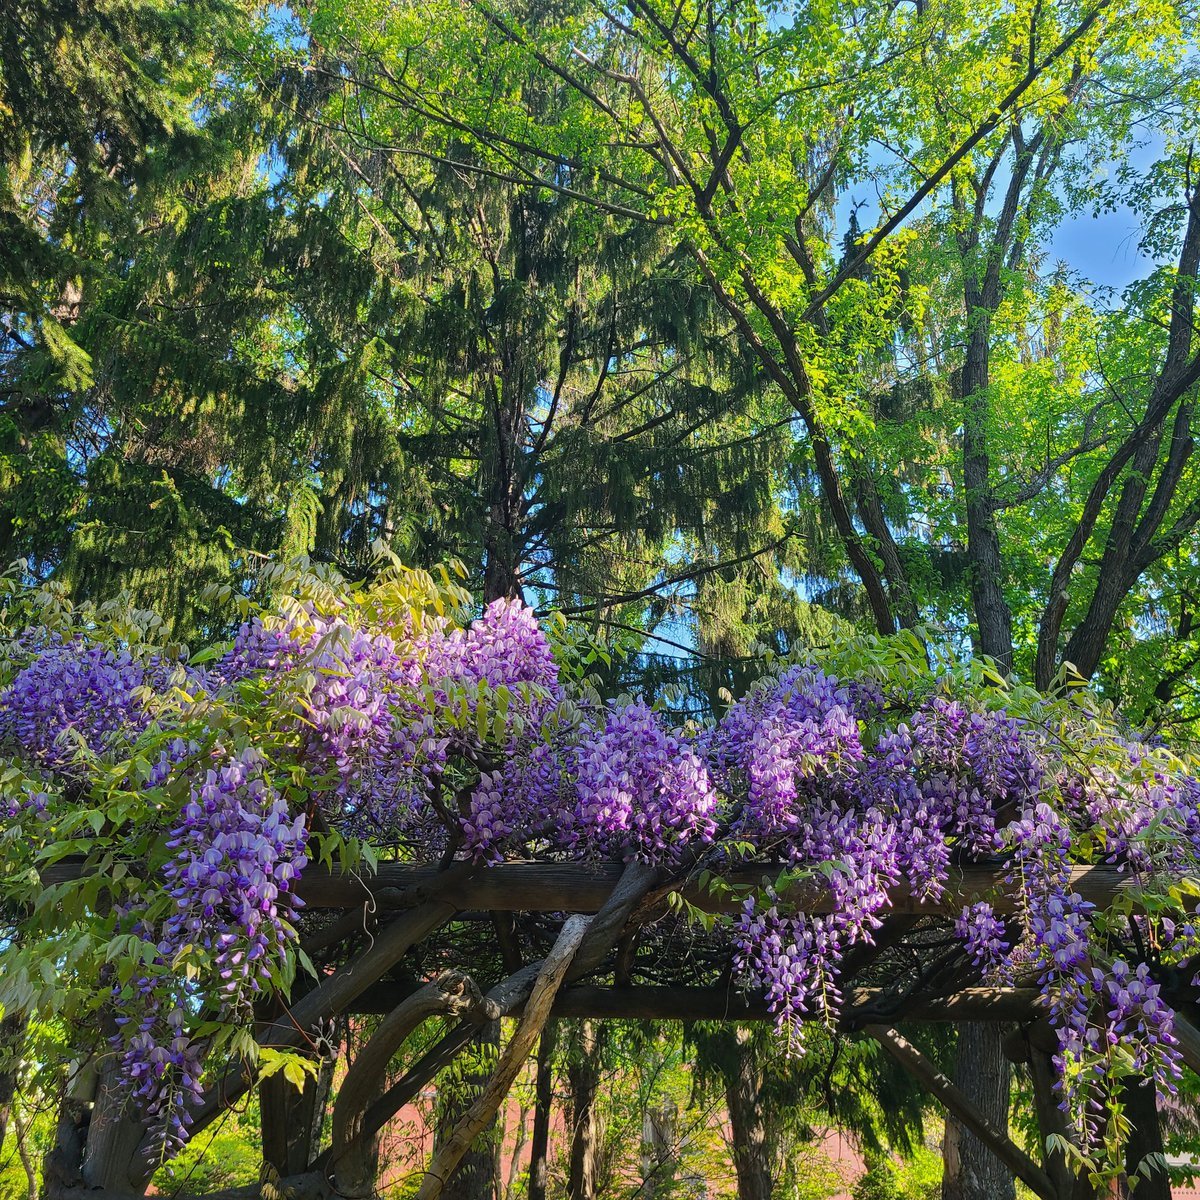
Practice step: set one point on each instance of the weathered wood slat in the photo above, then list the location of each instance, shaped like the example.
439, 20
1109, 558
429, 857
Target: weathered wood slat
584, 888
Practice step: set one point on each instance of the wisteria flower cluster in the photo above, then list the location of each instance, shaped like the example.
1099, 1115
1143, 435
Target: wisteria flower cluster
640, 791
76, 697
237, 852
986, 940
162, 1065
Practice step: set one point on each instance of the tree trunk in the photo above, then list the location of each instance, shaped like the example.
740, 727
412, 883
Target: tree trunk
290, 1121
500, 580
993, 618
115, 1131
520, 1140
983, 1073
477, 1176
543, 1103
583, 1076
1050, 1118
751, 1146
660, 1151
63, 1167
970, 1170
287, 1121
502, 480
12, 1030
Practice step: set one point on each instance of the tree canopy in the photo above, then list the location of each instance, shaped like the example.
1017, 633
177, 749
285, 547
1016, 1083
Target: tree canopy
747, 358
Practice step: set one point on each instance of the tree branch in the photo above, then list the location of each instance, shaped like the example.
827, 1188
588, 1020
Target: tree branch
537, 1012
452, 993
1031, 76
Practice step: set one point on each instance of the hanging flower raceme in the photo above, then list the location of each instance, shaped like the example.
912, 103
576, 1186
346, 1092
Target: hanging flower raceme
525, 797
794, 960
641, 792
799, 729
986, 939
237, 853
504, 648
75, 697
162, 1066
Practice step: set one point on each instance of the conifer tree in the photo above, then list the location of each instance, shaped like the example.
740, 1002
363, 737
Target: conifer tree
579, 410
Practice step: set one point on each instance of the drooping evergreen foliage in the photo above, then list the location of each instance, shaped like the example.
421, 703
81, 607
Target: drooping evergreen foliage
101, 133
318, 343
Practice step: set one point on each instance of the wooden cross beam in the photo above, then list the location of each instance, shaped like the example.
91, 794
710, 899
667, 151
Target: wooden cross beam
666, 1003
581, 887
585, 887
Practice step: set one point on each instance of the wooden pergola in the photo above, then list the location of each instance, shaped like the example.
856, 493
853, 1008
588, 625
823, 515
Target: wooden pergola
600, 941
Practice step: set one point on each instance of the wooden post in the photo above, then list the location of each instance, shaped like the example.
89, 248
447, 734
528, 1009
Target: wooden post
1188, 1037
583, 1077
1144, 1153
451, 993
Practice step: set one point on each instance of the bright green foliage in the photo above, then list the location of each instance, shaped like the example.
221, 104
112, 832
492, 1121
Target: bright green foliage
955, 407
577, 297
226, 1156
918, 1177
34, 1069
91, 96
301, 341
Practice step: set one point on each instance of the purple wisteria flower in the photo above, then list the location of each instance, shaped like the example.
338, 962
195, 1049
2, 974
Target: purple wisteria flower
986, 941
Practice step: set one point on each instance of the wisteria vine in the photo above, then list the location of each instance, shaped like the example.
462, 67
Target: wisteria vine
434, 737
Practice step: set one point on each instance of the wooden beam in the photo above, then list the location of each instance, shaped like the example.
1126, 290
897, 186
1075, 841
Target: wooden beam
510, 995
964, 1111
653, 1003
585, 887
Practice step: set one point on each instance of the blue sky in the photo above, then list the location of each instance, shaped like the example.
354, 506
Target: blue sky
1103, 248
